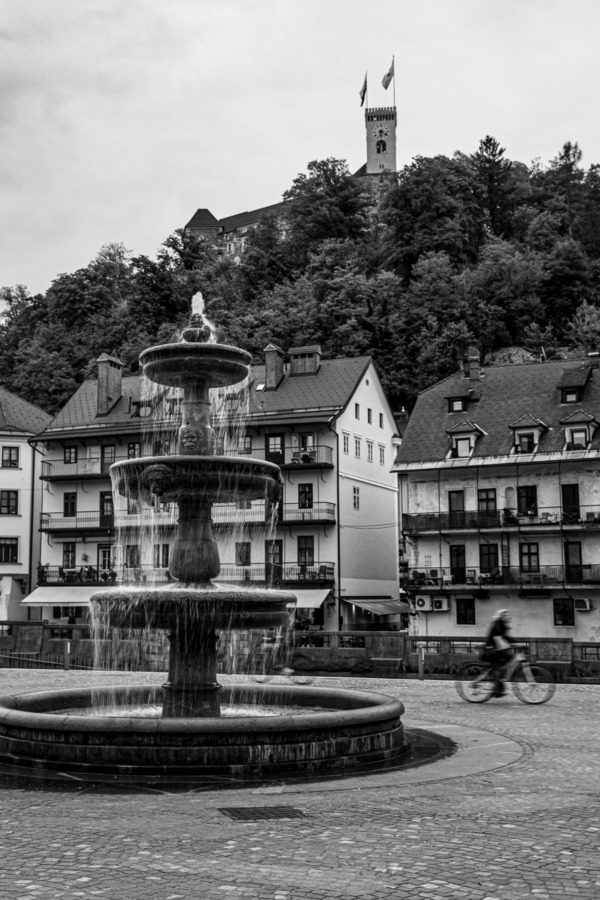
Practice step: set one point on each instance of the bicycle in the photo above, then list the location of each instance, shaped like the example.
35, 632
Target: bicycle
531, 683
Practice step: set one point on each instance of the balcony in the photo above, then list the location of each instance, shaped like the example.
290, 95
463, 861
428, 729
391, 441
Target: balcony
230, 514
83, 468
280, 574
317, 457
469, 520
82, 521
422, 579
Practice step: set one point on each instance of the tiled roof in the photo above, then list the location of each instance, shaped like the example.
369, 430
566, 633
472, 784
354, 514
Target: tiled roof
20, 416
203, 218
239, 220
329, 389
507, 393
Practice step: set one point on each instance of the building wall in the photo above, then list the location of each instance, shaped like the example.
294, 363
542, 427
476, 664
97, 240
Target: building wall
15, 576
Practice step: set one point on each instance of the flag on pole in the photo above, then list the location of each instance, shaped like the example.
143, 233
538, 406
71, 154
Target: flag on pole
387, 78
363, 91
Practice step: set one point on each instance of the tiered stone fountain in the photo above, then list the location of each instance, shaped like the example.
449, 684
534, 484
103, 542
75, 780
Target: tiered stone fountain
190, 741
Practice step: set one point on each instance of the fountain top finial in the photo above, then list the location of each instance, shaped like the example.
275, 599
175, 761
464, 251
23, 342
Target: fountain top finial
199, 330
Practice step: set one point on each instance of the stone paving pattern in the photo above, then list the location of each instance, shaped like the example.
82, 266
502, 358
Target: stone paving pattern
529, 829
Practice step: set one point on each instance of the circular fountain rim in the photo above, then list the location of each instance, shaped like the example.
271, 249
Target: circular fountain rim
26, 710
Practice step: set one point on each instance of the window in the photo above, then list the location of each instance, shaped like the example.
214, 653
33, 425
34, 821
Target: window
356, 497
70, 454
70, 504
242, 553
245, 445
564, 611
132, 556
9, 550
527, 500
106, 509
161, 447
369, 451
525, 443
462, 447
465, 611
134, 450
10, 457
357, 446
69, 555
486, 500
381, 455
570, 395
488, 557
346, 443
305, 496
457, 404
306, 550
160, 558
9, 503
357, 410
529, 555
381, 147
381, 420
133, 506
369, 416
577, 439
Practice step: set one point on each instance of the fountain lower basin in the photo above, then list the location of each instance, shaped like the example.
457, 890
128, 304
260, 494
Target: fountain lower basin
355, 728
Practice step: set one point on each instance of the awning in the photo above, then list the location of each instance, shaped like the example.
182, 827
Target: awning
78, 595
379, 607
310, 599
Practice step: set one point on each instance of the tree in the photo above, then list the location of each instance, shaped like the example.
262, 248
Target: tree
495, 177
327, 203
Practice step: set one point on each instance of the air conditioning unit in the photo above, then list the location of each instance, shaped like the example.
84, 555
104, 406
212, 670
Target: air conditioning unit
423, 603
440, 604
583, 604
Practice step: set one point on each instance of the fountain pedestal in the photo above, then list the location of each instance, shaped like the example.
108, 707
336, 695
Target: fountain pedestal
192, 690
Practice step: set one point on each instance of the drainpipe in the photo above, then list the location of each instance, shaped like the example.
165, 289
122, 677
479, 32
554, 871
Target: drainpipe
339, 529
33, 446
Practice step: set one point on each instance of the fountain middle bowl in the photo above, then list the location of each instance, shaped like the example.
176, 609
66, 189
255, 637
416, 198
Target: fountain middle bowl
220, 479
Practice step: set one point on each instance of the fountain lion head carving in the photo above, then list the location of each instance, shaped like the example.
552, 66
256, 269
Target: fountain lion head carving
157, 479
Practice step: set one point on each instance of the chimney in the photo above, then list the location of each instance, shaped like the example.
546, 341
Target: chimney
273, 366
305, 360
109, 383
472, 365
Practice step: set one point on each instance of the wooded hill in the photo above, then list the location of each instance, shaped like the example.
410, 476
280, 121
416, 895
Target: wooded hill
450, 252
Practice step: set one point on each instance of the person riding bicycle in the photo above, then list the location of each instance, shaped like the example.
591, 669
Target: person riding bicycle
498, 649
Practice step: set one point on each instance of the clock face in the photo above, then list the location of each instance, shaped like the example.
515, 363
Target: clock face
381, 130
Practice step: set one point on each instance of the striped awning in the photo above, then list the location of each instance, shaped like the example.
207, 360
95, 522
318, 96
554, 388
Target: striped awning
310, 599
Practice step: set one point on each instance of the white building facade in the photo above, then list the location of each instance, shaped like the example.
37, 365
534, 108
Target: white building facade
332, 538
499, 490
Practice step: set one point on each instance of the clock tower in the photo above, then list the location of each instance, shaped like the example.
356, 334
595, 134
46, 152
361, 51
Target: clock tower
381, 140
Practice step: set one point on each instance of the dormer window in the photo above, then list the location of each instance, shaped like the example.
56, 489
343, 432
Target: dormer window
457, 404
525, 442
462, 446
570, 395
577, 438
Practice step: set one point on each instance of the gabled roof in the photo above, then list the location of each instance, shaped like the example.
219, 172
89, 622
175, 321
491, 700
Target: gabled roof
464, 427
18, 415
313, 396
528, 421
507, 394
577, 416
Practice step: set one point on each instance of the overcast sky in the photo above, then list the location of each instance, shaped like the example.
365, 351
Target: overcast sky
119, 118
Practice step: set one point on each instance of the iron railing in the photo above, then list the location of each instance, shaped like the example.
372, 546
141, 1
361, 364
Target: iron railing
93, 466
86, 519
545, 516
256, 513
468, 576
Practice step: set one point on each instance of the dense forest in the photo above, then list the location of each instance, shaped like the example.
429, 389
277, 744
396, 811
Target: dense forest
447, 253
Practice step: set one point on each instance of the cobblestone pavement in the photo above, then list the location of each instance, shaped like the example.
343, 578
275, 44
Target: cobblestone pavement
528, 829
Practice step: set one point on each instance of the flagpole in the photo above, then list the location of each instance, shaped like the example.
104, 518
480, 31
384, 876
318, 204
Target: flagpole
394, 65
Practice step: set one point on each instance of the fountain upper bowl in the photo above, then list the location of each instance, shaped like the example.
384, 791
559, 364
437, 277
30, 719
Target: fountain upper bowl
176, 365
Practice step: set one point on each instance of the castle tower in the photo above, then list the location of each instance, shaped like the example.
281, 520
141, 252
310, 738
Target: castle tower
381, 140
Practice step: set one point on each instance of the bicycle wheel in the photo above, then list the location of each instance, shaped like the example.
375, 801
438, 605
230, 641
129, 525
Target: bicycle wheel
474, 684
533, 684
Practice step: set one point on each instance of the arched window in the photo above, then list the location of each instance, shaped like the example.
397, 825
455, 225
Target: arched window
381, 146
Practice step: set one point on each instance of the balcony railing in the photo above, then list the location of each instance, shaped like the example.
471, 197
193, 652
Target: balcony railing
229, 514
318, 456
546, 516
261, 573
93, 467
544, 576
81, 520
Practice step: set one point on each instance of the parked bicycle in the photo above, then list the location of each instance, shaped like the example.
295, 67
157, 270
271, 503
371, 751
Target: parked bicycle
531, 682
